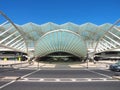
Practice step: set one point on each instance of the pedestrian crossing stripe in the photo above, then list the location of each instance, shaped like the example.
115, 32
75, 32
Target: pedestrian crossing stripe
66, 79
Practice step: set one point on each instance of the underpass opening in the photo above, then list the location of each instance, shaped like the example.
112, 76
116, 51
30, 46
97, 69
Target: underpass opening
59, 57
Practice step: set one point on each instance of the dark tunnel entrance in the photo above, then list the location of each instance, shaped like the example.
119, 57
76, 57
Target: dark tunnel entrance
59, 57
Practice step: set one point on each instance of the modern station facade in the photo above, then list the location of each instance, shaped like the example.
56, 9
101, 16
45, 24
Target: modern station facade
53, 40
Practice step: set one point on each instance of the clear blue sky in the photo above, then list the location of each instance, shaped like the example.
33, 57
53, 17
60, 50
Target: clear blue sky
61, 11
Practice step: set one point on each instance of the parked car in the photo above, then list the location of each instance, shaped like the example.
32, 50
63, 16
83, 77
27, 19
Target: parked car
115, 67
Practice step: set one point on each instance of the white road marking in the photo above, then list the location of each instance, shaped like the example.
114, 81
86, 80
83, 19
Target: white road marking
26, 79
100, 74
89, 80
30, 73
105, 79
21, 78
41, 79
58, 80
7, 84
74, 80
66, 80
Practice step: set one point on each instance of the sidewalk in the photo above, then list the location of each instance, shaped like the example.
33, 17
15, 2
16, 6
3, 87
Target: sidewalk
74, 65
13, 64
9, 62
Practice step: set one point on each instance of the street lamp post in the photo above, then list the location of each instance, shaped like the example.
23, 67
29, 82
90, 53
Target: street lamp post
87, 63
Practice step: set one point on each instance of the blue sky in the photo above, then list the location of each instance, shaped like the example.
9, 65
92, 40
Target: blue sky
61, 11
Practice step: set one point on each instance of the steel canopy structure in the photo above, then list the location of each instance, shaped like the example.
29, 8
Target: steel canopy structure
110, 40
61, 40
47, 38
11, 37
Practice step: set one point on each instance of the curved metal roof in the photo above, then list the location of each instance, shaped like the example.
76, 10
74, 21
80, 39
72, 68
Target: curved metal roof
51, 37
61, 40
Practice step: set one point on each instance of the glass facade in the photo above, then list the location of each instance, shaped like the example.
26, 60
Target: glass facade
61, 40
47, 38
68, 37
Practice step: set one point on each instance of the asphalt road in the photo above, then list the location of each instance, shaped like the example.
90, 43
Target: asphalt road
3, 82
64, 86
83, 79
13, 72
65, 74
